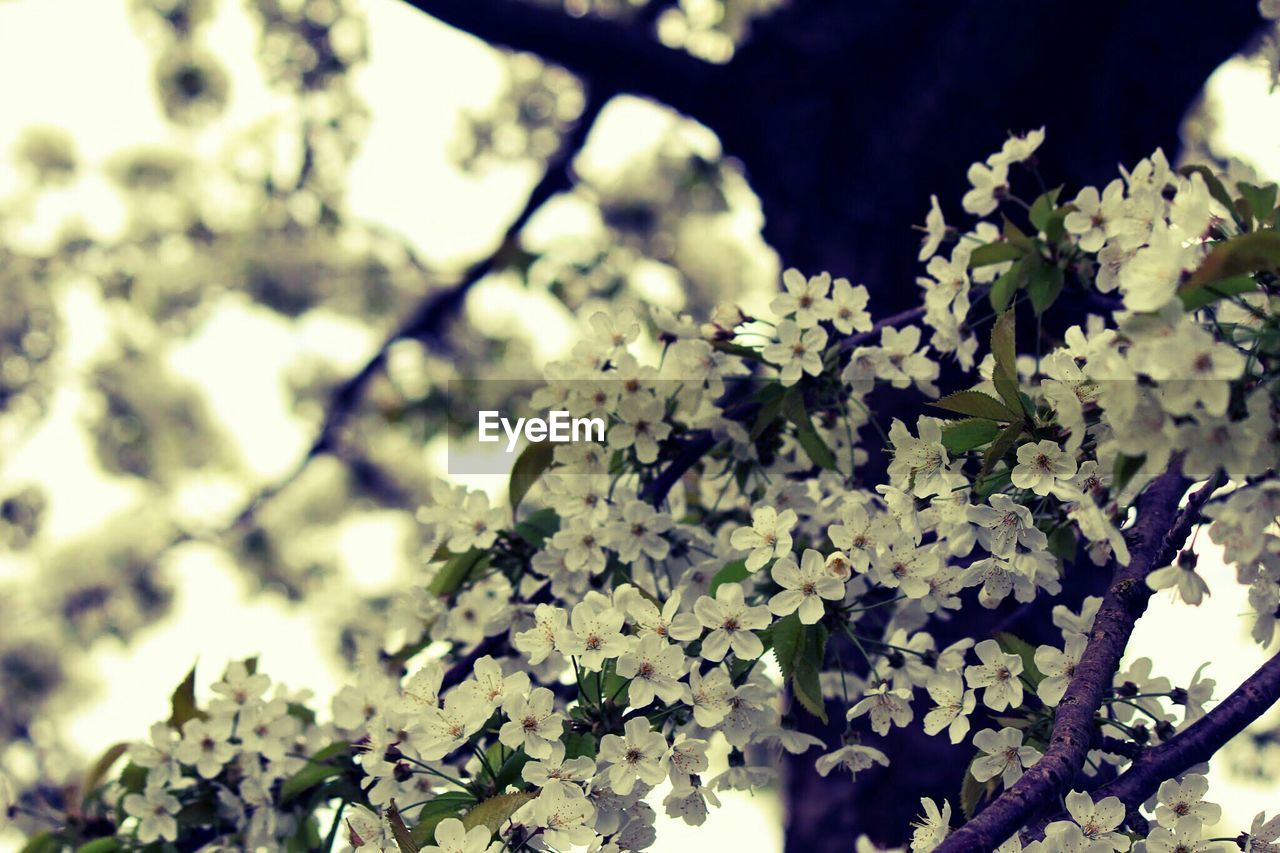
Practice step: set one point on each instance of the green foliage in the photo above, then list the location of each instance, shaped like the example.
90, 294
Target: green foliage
457, 570
976, 404
1257, 251
527, 469
446, 805
325, 764
800, 650
404, 838
968, 434
495, 811
733, 572
183, 702
816, 449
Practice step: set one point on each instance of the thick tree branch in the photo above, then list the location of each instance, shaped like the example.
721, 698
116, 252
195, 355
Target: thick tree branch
604, 53
1199, 741
1161, 529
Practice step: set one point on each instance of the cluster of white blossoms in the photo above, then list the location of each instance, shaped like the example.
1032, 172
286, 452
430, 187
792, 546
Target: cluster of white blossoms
730, 560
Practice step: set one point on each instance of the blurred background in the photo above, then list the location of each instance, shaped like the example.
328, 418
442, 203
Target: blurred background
222, 224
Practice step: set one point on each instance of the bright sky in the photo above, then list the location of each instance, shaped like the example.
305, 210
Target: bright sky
420, 76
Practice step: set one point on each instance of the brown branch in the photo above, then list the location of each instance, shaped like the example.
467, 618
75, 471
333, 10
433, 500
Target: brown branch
605, 53
1161, 529
1196, 743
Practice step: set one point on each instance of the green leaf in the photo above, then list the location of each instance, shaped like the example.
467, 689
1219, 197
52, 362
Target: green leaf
538, 527
1246, 253
737, 349
496, 811
973, 792
438, 808
1042, 208
1260, 200
970, 433
1004, 287
1126, 467
987, 485
94, 775
529, 465
100, 845
456, 571
133, 778
788, 639
1044, 286
43, 842
404, 839
734, 572
1013, 234
976, 404
183, 702
1216, 189
817, 450
319, 767
770, 409
1055, 227
806, 682
1005, 373
577, 744
999, 448
993, 253
1015, 645
1062, 543
1221, 289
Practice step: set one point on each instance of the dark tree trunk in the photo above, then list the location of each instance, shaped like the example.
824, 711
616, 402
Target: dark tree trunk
847, 115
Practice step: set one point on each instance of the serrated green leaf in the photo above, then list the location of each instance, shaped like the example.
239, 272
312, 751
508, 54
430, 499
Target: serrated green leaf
183, 702
1256, 251
1221, 289
319, 767
993, 253
528, 467
788, 637
456, 571
806, 680
438, 808
1062, 543
734, 572
1042, 208
770, 398
816, 449
577, 744
1004, 287
976, 404
495, 811
968, 434
987, 485
538, 526
1015, 645
1004, 442
1004, 349
404, 838
1044, 286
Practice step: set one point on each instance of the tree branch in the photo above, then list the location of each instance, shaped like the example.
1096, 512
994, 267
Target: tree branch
1198, 742
1161, 529
604, 53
